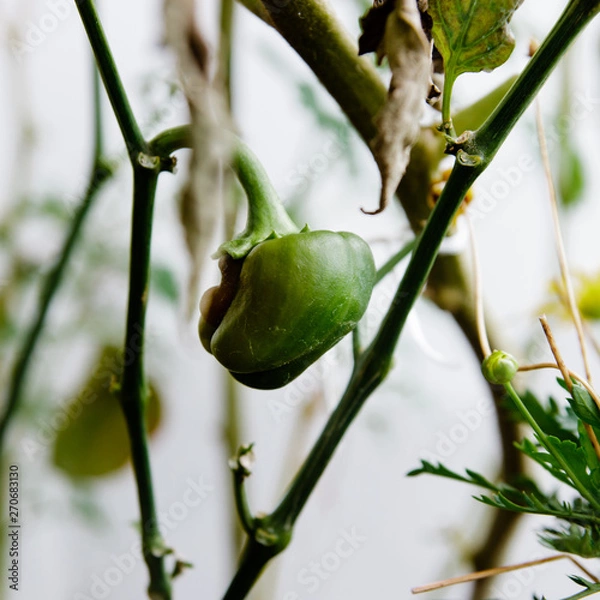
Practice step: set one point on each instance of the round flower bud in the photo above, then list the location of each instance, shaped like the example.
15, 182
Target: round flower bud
499, 367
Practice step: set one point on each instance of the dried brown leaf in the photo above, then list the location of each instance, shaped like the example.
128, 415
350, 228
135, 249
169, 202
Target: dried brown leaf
409, 55
201, 199
373, 26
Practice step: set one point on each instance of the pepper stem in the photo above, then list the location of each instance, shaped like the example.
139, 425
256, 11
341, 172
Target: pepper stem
267, 218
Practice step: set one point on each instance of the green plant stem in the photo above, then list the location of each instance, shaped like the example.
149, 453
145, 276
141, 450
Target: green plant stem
472, 158
374, 364
112, 82
589, 496
256, 7
593, 589
447, 125
265, 211
232, 417
232, 436
391, 263
241, 502
332, 55
171, 140
133, 392
252, 562
101, 172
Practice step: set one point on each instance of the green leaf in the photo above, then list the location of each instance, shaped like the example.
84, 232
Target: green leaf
471, 35
528, 499
92, 439
546, 460
574, 456
590, 588
590, 456
582, 540
578, 513
442, 471
549, 417
164, 282
584, 406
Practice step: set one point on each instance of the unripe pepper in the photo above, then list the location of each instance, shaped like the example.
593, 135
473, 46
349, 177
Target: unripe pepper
286, 296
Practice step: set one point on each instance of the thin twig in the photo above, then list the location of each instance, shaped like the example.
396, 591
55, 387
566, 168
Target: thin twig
565, 373
484, 342
572, 375
116, 93
555, 351
560, 246
499, 571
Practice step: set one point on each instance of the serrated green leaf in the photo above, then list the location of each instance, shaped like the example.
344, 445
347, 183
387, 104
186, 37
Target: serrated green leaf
574, 456
442, 471
548, 417
93, 440
472, 35
546, 460
590, 456
584, 406
582, 540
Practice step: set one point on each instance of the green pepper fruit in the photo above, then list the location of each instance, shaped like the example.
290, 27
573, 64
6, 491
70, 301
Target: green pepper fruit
286, 296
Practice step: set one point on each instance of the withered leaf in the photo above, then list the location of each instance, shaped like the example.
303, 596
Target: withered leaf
201, 200
92, 440
372, 25
409, 56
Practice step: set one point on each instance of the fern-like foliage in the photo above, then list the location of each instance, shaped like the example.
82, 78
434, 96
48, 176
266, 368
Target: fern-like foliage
566, 451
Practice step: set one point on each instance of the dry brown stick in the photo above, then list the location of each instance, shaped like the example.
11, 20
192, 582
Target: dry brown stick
487, 573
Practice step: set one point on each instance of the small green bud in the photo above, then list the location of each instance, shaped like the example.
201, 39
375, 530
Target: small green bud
499, 367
